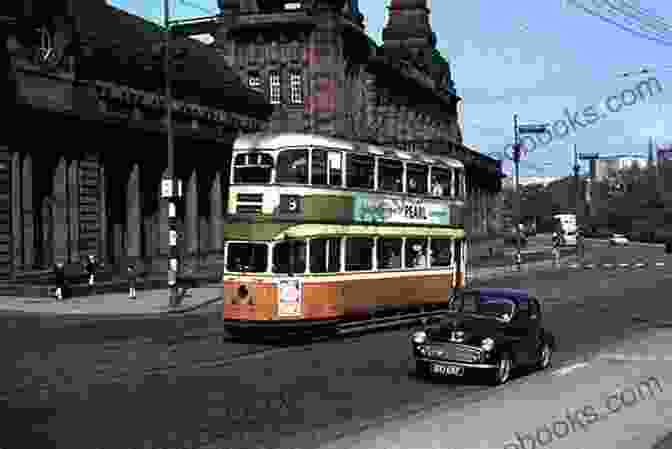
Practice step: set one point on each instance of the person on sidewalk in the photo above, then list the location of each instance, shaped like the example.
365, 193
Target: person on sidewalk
556, 249
59, 271
91, 271
132, 277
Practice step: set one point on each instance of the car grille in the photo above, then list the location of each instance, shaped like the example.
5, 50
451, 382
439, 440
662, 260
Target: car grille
454, 352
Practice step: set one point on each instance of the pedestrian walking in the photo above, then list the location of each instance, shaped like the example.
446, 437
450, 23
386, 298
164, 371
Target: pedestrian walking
132, 276
91, 271
59, 271
556, 249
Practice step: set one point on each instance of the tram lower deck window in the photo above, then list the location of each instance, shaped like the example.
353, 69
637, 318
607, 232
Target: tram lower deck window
247, 257
325, 255
416, 253
389, 253
289, 257
358, 254
441, 252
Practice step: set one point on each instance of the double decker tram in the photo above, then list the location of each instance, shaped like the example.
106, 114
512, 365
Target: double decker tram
320, 231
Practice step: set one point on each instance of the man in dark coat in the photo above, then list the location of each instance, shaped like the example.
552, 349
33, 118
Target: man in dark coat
91, 271
59, 271
132, 276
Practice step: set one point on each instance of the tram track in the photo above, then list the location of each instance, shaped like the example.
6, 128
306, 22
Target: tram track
111, 373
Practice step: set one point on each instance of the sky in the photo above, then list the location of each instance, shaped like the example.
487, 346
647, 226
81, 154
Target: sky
543, 60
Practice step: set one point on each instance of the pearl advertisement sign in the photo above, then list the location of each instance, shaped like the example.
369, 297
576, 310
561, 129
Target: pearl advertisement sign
377, 208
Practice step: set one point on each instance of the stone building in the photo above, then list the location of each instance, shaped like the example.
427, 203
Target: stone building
83, 148
322, 74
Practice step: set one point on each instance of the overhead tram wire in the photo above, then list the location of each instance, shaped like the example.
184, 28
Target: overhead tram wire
647, 13
619, 25
636, 20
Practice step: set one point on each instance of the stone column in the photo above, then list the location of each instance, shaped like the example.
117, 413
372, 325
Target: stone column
28, 219
147, 224
118, 242
102, 239
133, 215
73, 211
216, 208
191, 219
60, 213
17, 228
47, 232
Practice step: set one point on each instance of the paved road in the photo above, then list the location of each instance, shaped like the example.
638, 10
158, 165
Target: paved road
296, 397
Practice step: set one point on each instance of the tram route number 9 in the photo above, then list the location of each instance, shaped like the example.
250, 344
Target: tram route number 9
291, 204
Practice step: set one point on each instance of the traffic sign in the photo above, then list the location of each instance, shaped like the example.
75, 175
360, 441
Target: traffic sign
532, 129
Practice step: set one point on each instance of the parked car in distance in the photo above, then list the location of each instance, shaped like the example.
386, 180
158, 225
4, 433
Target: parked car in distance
487, 330
618, 239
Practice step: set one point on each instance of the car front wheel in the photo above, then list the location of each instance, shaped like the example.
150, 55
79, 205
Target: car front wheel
503, 371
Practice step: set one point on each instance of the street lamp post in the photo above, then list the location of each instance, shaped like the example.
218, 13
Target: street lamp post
517, 130
516, 161
170, 189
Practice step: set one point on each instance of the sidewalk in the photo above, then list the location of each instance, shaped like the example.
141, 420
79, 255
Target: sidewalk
153, 302
148, 302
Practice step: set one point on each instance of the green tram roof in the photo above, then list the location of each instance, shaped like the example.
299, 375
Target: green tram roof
282, 231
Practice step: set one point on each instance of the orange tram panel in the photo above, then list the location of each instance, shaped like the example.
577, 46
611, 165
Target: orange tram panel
250, 298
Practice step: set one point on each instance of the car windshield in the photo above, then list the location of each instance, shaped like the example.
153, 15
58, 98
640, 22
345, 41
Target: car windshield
473, 302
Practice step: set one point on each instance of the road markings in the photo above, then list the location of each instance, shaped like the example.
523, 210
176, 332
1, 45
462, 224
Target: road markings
635, 357
660, 264
624, 265
568, 369
640, 264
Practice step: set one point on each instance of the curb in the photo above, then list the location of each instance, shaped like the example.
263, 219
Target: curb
632, 243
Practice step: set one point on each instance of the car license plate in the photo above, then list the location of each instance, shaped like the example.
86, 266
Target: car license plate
447, 370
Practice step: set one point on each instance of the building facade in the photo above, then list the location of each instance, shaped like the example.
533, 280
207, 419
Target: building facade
321, 72
85, 149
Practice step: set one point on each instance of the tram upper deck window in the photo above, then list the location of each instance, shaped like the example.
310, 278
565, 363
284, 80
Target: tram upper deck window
441, 180
417, 178
360, 169
326, 168
289, 257
458, 182
390, 175
247, 257
325, 255
292, 167
252, 168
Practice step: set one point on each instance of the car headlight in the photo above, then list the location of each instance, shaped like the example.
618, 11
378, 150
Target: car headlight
419, 337
487, 344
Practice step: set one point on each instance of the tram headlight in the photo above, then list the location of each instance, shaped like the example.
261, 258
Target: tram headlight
487, 344
419, 337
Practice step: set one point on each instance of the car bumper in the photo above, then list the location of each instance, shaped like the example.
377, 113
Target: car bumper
461, 364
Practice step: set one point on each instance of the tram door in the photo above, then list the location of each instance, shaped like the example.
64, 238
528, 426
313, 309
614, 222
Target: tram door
5, 214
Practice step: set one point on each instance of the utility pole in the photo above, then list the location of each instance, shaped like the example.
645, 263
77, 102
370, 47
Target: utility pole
170, 189
516, 161
577, 191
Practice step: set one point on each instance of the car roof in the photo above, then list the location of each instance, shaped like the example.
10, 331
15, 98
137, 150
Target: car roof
501, 292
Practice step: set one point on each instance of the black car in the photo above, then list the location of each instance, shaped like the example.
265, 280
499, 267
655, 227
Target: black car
487, 330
